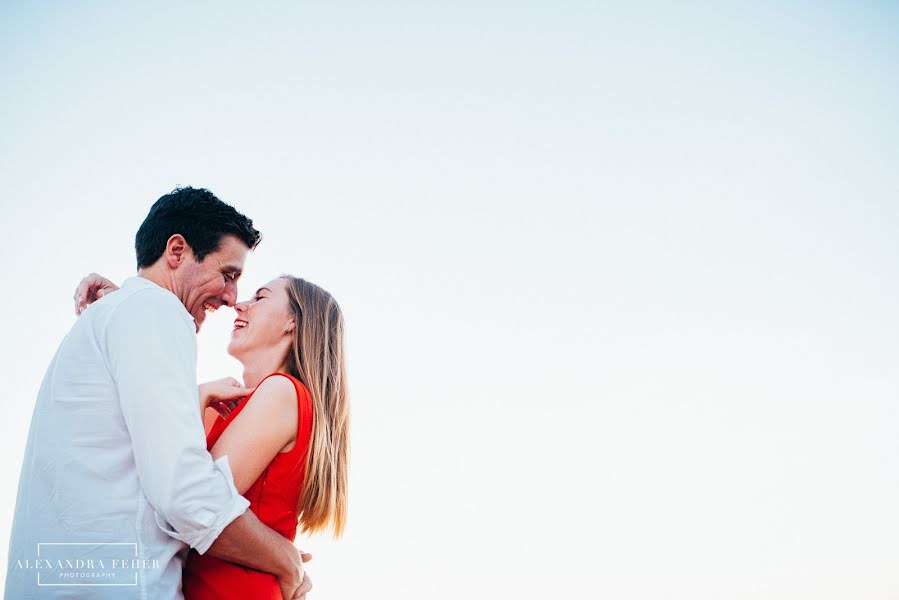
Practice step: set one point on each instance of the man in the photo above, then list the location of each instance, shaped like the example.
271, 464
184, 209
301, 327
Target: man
116, 483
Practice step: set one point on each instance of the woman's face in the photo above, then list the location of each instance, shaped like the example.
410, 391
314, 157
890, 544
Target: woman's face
265, 321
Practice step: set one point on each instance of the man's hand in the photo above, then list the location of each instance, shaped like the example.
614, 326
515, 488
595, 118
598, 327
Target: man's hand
222, 395
246, 541
296, 585
92, 288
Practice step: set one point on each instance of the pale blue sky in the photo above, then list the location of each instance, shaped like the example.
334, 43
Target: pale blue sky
619, 278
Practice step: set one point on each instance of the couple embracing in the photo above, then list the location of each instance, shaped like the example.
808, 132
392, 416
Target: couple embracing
137, 482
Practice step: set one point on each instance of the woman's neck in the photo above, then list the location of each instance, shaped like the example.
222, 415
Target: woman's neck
257, 368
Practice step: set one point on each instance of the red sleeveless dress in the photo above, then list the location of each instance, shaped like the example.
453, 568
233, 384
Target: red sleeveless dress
273, 499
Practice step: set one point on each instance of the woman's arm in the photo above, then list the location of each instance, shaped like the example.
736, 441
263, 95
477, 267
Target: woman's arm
266, 426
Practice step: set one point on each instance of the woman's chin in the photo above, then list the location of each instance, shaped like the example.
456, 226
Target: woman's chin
233, 348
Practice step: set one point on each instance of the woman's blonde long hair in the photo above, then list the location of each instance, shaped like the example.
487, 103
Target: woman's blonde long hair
317, 359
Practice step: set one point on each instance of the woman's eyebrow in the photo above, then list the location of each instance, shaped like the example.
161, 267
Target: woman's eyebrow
263, 288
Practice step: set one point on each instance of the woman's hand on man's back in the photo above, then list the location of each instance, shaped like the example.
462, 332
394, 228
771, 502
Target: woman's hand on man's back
90, 289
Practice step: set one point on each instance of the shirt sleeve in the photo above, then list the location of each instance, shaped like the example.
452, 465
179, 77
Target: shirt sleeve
151, 350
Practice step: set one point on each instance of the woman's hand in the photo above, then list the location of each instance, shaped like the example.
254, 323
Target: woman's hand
223, 395
92, 288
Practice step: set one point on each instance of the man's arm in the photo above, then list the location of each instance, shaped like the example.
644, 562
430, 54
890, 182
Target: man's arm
151, 353
246, 540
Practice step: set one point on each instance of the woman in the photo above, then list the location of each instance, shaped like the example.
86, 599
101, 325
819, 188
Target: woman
288, 441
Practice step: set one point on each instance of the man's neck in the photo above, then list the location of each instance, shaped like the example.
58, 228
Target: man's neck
159, 277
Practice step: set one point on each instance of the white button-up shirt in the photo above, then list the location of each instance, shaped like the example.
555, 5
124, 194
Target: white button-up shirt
116, 482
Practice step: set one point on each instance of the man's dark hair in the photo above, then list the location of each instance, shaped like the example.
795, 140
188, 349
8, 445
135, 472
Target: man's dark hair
196, 214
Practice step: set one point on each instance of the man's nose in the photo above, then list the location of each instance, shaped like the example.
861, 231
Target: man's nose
229, 296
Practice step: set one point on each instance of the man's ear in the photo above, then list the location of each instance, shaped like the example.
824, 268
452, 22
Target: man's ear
176, 250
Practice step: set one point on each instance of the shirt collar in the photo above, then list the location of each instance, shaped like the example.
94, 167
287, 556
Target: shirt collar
138, 283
